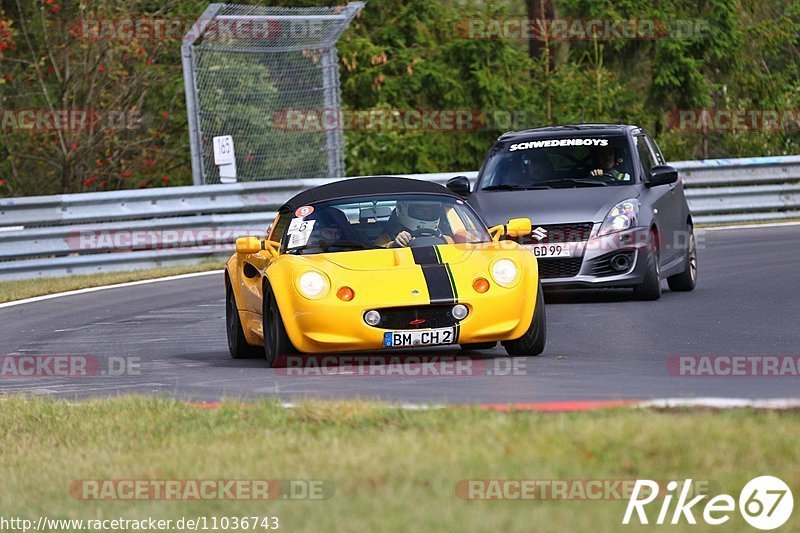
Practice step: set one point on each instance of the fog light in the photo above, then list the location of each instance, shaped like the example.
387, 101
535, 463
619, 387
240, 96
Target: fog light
621, 262
372, 318
459, 311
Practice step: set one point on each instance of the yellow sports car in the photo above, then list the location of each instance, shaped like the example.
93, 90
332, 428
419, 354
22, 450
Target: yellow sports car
382, 263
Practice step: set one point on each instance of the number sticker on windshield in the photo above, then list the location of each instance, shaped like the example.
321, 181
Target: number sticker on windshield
299, 232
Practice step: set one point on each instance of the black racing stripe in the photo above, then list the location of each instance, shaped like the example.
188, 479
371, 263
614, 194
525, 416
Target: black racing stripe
425, 255
438, 282
437, 278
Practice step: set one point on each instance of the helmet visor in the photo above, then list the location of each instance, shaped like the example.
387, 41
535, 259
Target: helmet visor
424, 211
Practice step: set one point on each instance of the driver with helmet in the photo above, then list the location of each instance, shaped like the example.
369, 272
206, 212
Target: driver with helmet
413, 219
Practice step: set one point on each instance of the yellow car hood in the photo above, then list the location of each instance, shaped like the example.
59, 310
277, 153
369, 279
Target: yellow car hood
387, 259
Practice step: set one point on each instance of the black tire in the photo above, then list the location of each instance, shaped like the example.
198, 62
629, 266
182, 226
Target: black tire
276, 340
686, 280
237, 343
534, 340
650, 288
472, 346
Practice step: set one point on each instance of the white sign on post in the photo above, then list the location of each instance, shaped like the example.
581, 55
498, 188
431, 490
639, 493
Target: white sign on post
225, 158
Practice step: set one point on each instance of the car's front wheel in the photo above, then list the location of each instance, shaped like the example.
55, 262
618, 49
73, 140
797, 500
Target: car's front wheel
650, 287
534, 340
686, 280
276, 341
237, 343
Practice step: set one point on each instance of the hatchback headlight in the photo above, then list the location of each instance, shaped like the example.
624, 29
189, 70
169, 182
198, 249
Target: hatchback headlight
621, 217
504, 272
313, 285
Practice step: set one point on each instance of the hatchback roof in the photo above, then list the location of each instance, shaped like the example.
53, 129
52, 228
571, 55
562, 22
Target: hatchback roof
565, 130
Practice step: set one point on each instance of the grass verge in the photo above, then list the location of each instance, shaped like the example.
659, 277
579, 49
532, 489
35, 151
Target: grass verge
388, 469
28, 288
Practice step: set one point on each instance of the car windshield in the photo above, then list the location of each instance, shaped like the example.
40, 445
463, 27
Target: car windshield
551, 163
372, 222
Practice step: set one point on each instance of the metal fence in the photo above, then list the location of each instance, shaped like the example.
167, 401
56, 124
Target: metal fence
734, 191
125, 230
245, 68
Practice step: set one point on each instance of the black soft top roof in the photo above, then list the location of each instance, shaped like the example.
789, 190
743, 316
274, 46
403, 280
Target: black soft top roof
368, 186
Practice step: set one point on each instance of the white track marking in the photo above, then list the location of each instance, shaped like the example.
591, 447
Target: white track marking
104, 287
749, 226
722, 403
661, 403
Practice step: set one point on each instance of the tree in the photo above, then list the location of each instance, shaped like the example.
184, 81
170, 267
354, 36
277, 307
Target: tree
86, 108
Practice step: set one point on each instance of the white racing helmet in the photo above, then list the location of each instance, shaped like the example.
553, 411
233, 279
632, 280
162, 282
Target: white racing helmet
416, 214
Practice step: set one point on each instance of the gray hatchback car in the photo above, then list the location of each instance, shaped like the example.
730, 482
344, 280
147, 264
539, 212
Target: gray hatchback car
606, 209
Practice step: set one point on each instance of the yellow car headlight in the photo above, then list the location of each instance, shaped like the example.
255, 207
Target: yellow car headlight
504, 272
313, 285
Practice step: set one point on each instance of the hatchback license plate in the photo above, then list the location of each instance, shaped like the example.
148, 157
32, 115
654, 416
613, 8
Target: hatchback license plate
550, 250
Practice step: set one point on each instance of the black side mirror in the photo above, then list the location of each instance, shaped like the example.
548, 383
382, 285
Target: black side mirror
662, 175
459, 185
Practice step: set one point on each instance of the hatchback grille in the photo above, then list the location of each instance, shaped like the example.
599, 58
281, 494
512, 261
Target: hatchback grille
577, 232
559, 268
416, 317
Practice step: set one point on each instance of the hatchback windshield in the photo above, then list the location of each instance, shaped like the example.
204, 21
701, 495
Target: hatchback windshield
376, 221
546, 163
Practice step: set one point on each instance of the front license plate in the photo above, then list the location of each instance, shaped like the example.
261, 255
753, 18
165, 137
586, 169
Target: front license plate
550, 250
422, 337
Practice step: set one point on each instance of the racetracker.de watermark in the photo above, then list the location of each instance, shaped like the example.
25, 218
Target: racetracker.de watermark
200, 489
67, 366
223, 239
566, 29
211, 239
398, 365
728, 366
72, 119
176, 29
734, 119
378, 119
557, 489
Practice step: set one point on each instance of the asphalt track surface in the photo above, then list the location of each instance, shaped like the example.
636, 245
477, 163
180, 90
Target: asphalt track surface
601, 344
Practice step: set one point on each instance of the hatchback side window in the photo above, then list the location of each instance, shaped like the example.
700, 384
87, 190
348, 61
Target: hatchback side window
646, 157
656, 150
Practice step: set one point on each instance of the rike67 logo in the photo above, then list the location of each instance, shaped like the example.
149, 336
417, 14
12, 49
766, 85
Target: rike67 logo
765, 503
